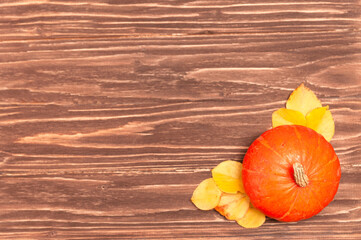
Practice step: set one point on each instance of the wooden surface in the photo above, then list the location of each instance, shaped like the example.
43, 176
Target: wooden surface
111, 112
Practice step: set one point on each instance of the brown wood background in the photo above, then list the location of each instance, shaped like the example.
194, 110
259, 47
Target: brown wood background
111, 112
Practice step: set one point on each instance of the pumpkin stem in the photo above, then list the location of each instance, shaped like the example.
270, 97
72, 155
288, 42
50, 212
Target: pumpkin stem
300, 175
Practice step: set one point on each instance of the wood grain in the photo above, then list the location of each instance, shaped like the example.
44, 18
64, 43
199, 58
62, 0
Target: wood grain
111, 112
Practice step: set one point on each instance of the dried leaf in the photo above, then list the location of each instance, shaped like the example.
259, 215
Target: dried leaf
285, 116
302, 99
228, 176
207, 195
252, 219
320, 120
233, 206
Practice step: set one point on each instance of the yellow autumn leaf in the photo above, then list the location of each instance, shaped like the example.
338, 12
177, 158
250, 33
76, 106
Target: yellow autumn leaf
320, 120
207, 195
228, 176
285, 116
252, 219
302, 99
233, 206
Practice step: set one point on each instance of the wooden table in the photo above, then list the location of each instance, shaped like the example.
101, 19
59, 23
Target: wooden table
111, 112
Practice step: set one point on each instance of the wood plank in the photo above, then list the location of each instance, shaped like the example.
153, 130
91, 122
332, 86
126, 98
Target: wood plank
92, 19
111, 112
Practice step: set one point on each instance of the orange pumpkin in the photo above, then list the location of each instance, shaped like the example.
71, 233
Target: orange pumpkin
291, 173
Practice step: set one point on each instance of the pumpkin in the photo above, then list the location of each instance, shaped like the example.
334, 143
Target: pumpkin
291, 173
